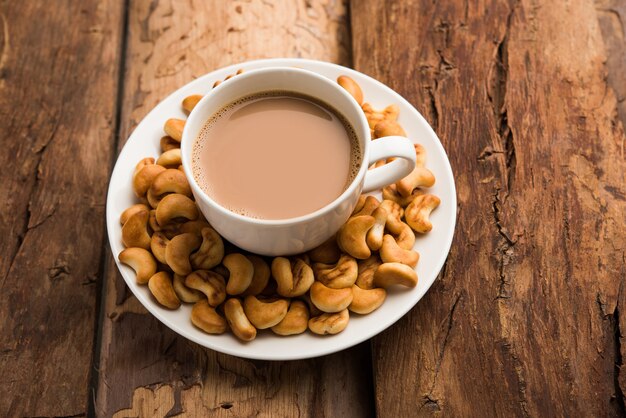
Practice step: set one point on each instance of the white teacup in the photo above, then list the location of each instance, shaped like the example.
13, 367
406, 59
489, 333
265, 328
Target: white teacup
295, 235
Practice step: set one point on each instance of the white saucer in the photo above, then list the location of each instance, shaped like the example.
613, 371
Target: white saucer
433, 247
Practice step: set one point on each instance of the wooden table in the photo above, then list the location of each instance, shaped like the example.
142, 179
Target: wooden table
528, 98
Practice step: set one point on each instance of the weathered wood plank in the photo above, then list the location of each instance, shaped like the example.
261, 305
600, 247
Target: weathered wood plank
525, 319
144, 367
59, 68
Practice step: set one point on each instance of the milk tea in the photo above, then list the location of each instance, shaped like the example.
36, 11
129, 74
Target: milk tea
275, 155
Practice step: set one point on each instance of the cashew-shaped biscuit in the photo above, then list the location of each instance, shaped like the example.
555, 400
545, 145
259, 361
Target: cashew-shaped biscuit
351, 87
174, 128
294, 278
388, 128
327, 252
160, 285
420, 155
395, 212
170, 159
374, 237
419, 177
207, 319
296, 320
175, 206
391, 112
240, 271
190, 102
184, 293
142, 163
389, 274
135, 230
403, 234
178, 251
238, 321
158, 245
369, 206
329, 323
391, 193
141, 261
330, 300
367, 268
418, 212
167, 143
209, 283
351, 236
144, 178
365, 301
169, 181
211, 251
390, 252
261, 275
373, 116
339, 275
153, 200
406, 238
131, 210
265, 313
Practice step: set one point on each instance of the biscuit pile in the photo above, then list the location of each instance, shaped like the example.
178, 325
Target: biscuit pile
183, 259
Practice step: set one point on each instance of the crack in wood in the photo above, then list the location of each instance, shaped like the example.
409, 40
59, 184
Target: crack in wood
26, 227
496, 209
428, 398
619, 394
432, 104
487, 153
520, 380
496, 94
601, 304
504, 130
617, 347
432, 404
144, 24
497, 97
567, 240
442, 69
42, 220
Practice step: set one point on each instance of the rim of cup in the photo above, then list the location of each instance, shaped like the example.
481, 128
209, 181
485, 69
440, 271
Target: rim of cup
187, 142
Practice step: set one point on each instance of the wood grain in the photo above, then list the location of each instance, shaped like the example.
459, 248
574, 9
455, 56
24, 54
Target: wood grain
145, 368
58, 84
525, 317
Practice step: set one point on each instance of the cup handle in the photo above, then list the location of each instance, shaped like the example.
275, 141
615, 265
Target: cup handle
382, 148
